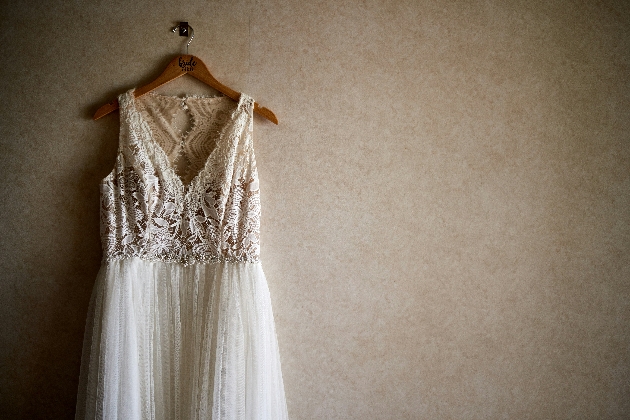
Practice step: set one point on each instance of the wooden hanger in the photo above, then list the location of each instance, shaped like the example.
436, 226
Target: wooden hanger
179, 66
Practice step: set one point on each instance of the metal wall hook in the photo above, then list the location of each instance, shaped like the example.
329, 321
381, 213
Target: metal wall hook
185, 30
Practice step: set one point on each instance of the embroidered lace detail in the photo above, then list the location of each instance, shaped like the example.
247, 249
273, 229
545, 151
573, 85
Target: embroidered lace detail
176, 195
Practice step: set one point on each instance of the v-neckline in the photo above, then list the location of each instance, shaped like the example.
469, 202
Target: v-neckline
169, 166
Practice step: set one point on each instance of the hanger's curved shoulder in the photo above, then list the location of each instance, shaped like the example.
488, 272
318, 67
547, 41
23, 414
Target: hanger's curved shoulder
108, 108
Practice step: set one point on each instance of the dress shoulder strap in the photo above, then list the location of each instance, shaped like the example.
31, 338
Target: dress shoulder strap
125, 105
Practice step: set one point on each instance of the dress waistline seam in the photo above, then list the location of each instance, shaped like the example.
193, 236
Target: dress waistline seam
187, 262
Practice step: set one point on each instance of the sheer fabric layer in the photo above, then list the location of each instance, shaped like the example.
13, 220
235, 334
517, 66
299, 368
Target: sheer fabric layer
169, 341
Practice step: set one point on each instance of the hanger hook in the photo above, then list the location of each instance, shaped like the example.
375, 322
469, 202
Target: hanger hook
185, 30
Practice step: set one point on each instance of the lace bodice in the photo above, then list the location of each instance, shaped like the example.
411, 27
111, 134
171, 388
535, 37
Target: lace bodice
182, 195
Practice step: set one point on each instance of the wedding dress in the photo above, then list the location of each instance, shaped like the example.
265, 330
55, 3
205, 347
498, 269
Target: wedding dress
180, 324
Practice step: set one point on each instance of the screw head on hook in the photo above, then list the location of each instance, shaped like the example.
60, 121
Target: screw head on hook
183, 28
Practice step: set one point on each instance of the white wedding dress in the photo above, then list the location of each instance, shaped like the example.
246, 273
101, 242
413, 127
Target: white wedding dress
180, 324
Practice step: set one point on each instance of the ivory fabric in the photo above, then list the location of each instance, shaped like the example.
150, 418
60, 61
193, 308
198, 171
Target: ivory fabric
180, 324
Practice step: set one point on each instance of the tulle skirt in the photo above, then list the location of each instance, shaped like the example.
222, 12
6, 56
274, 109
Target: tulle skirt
166, 341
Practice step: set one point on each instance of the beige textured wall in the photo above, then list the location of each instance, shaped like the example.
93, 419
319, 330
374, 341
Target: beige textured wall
446, 201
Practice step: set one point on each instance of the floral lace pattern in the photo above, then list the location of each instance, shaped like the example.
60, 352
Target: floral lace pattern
151, 212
